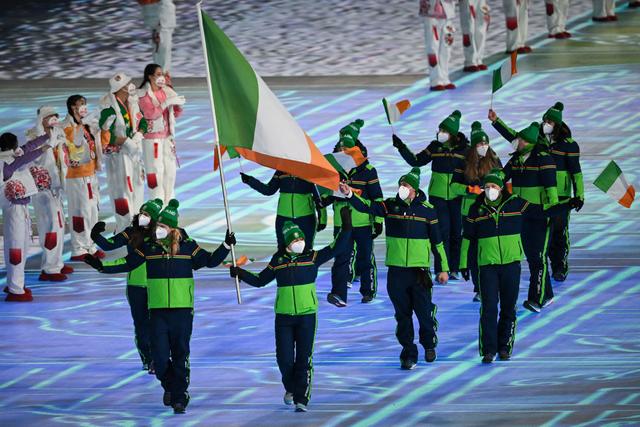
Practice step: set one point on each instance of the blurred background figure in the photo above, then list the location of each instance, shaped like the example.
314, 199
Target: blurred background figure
604, 10
557, 12
517, 19
474, 21
160, 17
438, 37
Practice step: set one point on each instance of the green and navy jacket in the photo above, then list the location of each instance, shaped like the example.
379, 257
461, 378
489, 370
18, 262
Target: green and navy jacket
447, 166
295, 276
566, 154
412, 230
496, 227
298, 198
136, 277
364, 179
532, 173
169, 277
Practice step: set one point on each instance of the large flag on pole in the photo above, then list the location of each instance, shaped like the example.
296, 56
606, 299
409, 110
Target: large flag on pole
612, 181
251, 119
503, 74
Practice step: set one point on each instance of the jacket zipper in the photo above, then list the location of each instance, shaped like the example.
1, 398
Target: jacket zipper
166, 265
498, 233
406, 239
293, 291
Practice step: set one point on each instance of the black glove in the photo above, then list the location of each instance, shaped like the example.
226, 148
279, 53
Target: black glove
94, 262
377, 229
397, 142
98, 229
576, 203
244, 177
320, 226
345, 215
465, 274
234, 271
230, 238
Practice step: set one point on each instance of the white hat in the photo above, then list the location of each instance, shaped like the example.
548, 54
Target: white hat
46, 110
119, 81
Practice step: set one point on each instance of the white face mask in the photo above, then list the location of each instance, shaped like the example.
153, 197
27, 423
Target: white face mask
482, 150
144, 220
52, 121
403, 192
515, 143
297, 247
443, 137
160, 81
492, 193
161, 233
547, 128
83, 111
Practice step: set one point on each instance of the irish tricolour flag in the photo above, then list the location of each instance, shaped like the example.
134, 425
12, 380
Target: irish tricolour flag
613, 182
251, 119
394, 111
503, 74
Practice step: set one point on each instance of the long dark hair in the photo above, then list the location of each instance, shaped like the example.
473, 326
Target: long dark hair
140, 234
149, 70
477, 167
71, 101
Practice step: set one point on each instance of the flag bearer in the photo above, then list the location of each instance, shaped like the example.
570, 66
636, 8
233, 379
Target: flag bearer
295, 268
412, 232
170, 260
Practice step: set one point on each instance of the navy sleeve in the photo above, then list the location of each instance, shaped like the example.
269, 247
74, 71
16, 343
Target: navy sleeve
268, 189
338, 246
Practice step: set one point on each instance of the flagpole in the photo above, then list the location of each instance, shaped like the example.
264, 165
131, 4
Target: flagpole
217, 146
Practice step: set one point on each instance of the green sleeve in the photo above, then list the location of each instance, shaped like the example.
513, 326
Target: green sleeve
443, 257
464, 251
578, 186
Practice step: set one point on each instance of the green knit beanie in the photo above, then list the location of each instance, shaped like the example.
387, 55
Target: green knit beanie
153, 208
495, 176
347, 141
478, 136
452, 123
412, 178
530, 133
353, 129
554, 113
169, 215
291, 232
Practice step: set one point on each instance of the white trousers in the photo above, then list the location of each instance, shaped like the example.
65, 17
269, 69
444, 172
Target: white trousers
557, 12
604, 8
160, 167
517, 20
162, 51
50, 219
17, 234
125, 183
438, 50
474, 23
83, 196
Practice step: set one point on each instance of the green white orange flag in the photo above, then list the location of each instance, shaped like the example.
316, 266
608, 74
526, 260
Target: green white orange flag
394, 111
612, 181
251, 119
503, 74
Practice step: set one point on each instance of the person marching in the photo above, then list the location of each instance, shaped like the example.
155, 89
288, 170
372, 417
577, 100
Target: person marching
360, 261
170, 261
479, 160
474, 21
160, 106
517, 20
532, 171
447, 157
295, 269
122, 127
557, 13
412, 232
438, 16
494, 224
566, 154
48, 203
299, 202
83, 156
133, 237
17, 185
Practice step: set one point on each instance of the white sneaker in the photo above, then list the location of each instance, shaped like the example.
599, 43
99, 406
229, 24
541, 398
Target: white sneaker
288, 398
547, 303
300, 407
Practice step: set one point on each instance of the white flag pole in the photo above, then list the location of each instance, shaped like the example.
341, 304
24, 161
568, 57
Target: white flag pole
217, 145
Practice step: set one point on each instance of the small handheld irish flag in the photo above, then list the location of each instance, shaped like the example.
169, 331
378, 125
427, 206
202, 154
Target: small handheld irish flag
394, 111
612, 181
503, 74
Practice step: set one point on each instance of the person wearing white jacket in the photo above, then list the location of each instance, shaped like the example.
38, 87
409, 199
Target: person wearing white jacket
474, 22
83, 156
121, 133
438, 18
517, 21
160, 105
557, 12
160, 17
47, 202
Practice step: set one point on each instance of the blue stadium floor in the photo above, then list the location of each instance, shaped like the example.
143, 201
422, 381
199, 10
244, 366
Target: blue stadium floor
69, 358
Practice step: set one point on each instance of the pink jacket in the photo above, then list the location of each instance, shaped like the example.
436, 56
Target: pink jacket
156, 117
